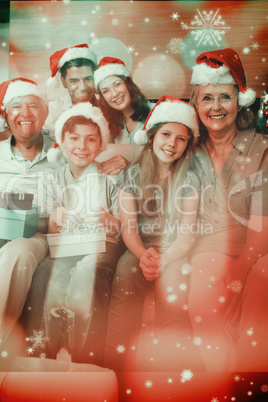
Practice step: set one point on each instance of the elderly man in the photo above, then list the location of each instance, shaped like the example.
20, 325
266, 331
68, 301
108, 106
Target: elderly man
23, 158
74, 68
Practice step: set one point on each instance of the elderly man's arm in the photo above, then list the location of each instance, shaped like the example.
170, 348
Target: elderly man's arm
5, 134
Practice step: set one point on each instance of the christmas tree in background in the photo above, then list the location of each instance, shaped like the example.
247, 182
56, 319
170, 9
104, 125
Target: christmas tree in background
261, 119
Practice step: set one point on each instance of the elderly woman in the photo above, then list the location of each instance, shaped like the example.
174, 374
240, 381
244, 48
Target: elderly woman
123, 104
228, 295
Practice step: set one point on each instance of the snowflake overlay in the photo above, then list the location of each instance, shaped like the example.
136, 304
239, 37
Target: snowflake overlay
186, 375
176, 45
38, 341
208, 28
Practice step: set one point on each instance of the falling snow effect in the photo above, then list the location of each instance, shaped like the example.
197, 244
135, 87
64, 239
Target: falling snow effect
176, 45
250, 332
148, 384
207, 28
175, 16
120, 348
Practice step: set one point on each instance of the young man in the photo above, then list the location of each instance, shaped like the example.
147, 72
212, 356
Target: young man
73, 68
23, 158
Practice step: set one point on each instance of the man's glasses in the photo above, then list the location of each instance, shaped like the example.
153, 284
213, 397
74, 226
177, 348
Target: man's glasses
224, 99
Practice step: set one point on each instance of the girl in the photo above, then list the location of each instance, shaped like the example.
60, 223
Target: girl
158, 200
123, 104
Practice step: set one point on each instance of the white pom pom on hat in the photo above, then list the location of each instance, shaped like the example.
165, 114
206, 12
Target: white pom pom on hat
60, 57
80, 109
109, 66
169, 110
223, 67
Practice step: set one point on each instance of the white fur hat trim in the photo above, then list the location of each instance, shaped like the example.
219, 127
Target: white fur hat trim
206, 75
77, 53
21, 88
109, 69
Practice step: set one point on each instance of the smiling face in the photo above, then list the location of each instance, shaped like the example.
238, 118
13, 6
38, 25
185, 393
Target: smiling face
115, 92
217, 117
79, 82
169, 143
26, 116
82, 146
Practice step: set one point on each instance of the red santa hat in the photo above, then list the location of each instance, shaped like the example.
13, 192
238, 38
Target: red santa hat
109, 66
17, 87
80, 109
169, 110
59, 58
223, 67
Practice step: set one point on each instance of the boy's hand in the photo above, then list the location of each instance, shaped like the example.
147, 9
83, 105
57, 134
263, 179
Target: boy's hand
113, 166
57, 219
106, 219
149, 264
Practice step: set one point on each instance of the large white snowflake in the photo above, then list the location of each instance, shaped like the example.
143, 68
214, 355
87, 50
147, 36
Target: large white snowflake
207, 28
176, 45
186, 375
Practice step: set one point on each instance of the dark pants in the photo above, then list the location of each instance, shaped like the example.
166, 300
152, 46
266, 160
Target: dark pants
52, 324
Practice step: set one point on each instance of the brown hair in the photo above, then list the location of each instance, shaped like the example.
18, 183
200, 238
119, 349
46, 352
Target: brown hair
138, 104
69, 125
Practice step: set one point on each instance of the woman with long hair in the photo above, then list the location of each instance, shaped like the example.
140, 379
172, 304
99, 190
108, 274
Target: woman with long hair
123, 104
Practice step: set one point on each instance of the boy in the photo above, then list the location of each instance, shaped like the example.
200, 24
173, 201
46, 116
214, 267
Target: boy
77, 298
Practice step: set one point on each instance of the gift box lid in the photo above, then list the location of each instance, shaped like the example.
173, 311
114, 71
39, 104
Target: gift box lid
17, 196
60, 239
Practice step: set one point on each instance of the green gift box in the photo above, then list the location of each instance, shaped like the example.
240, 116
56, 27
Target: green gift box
15, 223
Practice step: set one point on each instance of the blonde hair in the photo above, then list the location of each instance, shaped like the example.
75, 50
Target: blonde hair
149, 174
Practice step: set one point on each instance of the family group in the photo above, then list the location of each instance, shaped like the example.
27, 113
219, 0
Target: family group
186, 216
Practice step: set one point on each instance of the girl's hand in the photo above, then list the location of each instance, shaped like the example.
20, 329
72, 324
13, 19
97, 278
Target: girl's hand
149, 264
113, 166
